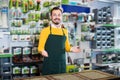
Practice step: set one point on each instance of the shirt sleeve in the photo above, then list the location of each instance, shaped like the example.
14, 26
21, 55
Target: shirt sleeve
67, 43
42, 39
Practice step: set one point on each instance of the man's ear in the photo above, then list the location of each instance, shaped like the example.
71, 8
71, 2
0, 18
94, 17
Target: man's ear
50, 16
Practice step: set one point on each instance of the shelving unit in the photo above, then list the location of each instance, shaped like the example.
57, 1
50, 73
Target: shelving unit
26, 69
26, 62
105, 46
5, 67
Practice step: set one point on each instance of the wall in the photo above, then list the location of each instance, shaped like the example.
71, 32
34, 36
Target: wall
92, 5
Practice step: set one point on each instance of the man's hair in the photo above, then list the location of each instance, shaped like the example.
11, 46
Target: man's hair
55, 8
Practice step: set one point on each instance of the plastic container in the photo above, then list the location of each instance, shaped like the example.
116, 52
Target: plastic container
81, 17
66, 17
16, 70
33, 69
25, 70
17, 51
26, 50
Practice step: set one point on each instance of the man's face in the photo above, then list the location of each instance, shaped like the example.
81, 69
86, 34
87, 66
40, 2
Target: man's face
56, 16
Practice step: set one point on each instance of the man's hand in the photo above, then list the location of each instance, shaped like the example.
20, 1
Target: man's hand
44, 53
75, 49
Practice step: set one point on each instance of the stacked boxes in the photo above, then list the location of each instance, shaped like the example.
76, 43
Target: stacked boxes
108, 57
26, 61
25, 70
103, 15
104, 37
86, 66
6, 66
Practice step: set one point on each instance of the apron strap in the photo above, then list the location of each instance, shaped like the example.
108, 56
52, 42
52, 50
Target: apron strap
63, 32
50, 30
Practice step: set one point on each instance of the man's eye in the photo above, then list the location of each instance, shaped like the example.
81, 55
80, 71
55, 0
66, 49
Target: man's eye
56, 15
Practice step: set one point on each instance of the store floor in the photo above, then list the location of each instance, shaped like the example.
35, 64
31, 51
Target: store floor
85, 75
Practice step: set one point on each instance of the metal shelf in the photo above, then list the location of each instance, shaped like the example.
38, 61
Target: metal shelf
110, 64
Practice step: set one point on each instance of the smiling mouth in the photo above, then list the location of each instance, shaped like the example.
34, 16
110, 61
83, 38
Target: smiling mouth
57, 19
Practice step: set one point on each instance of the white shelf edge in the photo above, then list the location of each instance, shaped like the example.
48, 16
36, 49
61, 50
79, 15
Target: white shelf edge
110, 64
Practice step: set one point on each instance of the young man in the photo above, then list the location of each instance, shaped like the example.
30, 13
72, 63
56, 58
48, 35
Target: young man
53, 43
